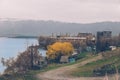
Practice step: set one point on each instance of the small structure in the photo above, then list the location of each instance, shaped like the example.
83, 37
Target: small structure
112, 48
67, 59
71, 60
64, 59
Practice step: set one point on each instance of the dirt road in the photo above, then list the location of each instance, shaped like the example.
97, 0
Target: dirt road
61, 73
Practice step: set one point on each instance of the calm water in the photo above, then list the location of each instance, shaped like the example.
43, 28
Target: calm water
10, 47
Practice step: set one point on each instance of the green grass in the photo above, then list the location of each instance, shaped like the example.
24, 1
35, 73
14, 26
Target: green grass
31, 74
55, 66
82, 55
87, 70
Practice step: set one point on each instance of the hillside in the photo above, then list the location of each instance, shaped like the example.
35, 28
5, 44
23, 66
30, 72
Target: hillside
80, 70
62, 73
36, 28
84, 69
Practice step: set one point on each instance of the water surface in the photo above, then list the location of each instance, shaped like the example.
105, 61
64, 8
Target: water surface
11, 47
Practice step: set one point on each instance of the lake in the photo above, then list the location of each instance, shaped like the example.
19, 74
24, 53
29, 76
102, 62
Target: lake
11, 47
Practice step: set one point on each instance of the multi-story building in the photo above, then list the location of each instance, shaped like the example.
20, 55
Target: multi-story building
77, 40
103, 39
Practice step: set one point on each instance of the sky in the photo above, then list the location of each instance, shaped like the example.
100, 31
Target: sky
79, 11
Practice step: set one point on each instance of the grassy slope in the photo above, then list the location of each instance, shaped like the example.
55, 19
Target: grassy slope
30, 75
87, 70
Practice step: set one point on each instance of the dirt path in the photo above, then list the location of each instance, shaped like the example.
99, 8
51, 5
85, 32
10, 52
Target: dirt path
60, 73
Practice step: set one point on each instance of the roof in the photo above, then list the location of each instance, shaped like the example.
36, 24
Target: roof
70, 38
76, 38
64, 59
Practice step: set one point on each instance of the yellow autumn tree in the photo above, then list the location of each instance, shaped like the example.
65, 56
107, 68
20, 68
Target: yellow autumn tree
59, 49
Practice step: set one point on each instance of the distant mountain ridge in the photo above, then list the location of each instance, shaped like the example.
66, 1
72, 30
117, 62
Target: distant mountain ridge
36, 28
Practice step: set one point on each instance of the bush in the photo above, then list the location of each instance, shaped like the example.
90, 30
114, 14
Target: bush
109, 69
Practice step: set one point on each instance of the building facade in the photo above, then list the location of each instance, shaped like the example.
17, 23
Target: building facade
103, 40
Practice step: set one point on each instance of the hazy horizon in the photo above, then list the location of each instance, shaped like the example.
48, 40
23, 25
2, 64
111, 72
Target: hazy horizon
18, 19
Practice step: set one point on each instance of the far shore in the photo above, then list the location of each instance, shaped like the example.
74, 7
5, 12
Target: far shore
21, 37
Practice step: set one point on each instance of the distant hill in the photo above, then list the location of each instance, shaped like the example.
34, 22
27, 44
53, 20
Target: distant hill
36, 28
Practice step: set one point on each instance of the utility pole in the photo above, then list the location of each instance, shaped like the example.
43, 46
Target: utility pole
32, 57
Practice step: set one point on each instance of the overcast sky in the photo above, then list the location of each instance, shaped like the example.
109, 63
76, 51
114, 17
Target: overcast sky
81, 11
